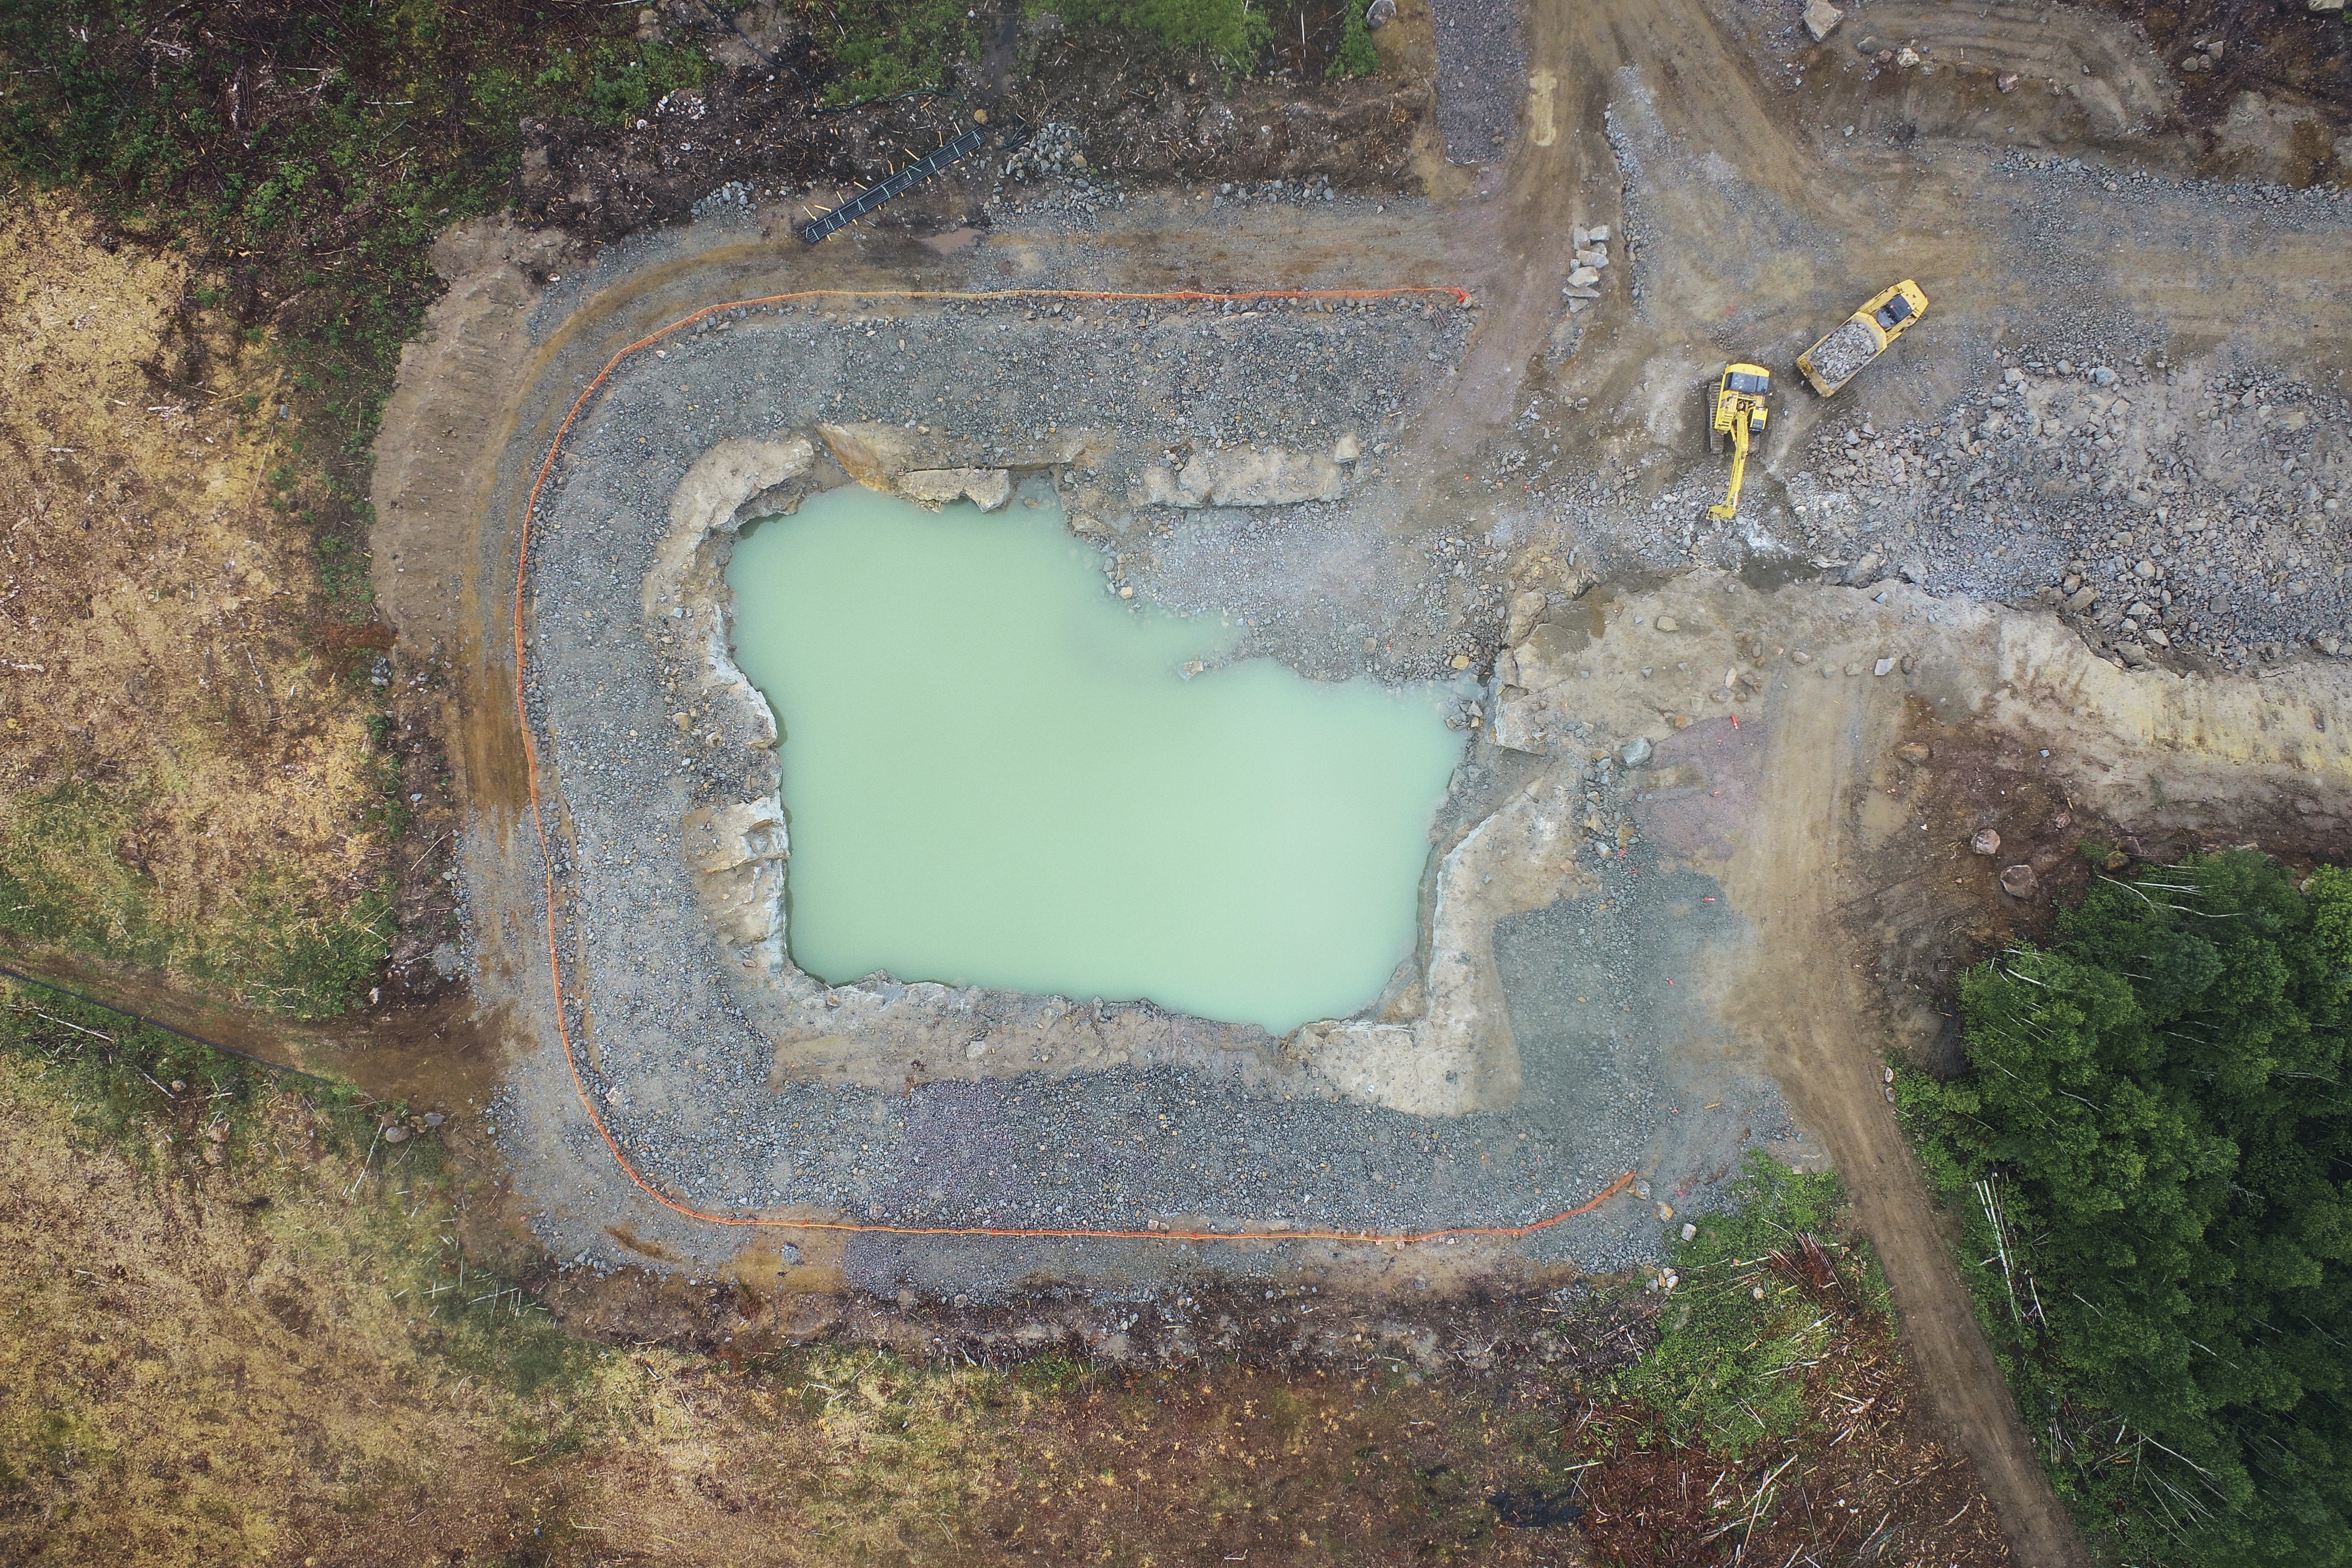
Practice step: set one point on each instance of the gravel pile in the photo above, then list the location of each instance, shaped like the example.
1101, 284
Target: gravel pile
2167, 509
1053, 150
1482, 75
1843, 351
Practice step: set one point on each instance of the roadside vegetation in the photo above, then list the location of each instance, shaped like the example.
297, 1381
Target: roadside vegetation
2150, 1158
196, 775
1773, 1418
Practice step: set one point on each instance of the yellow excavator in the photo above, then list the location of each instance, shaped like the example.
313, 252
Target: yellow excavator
1739, 411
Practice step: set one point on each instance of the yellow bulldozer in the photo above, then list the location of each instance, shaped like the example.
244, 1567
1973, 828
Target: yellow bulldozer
1739, 411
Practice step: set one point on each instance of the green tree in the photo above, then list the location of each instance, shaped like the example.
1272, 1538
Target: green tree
2156, 1114
1356, 55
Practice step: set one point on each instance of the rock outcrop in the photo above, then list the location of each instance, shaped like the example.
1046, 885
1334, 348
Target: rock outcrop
881, 457
707, 502
738, 853
1247, 476
988, 488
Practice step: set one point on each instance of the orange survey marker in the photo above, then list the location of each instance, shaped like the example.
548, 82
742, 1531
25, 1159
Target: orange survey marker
539, 823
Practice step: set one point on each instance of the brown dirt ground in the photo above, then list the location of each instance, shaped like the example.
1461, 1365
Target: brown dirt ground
1934, 908
1816, 1004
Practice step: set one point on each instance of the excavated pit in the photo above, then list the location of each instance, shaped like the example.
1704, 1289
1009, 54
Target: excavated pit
737, 1083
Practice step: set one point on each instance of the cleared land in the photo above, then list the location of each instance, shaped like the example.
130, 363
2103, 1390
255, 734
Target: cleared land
2067, 562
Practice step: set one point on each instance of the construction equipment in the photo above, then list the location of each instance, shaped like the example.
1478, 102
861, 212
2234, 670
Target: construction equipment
1738, 410
1862, 337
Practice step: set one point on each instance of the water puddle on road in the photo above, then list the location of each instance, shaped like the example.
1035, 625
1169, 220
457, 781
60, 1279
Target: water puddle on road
996, 775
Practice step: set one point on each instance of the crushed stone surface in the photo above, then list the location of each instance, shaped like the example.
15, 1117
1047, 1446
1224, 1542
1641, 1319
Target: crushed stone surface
1482, 72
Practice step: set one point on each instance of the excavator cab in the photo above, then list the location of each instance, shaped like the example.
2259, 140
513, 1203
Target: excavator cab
1739, 411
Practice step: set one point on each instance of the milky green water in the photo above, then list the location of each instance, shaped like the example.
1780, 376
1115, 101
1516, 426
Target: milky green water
996, 775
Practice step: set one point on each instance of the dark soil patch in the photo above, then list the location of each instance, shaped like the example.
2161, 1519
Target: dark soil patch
1140, 111
1497, 1334
1939, 907
2275, 49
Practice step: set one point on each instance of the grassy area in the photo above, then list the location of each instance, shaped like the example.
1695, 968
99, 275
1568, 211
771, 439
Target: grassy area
276, 1333
267, 177
277, 941
1236, 32
1743, 1316
309, 152
2147, 1163
882, 49
285, 1340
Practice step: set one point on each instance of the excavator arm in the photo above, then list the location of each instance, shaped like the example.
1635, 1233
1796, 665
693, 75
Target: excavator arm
1730, 506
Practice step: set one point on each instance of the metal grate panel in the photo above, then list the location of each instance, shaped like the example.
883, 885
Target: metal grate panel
897, 184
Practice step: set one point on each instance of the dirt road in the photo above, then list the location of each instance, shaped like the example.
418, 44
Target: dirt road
1739, 239
1810, 996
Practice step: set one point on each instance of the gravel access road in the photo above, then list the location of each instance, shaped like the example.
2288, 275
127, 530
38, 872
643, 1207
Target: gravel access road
1482, 75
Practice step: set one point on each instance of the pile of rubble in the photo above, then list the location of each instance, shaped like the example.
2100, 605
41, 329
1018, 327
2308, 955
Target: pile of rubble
1843, 351
2163, 509
1591, 257
1053, 150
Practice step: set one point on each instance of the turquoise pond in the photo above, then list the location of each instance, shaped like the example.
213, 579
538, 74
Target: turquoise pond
998, 773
